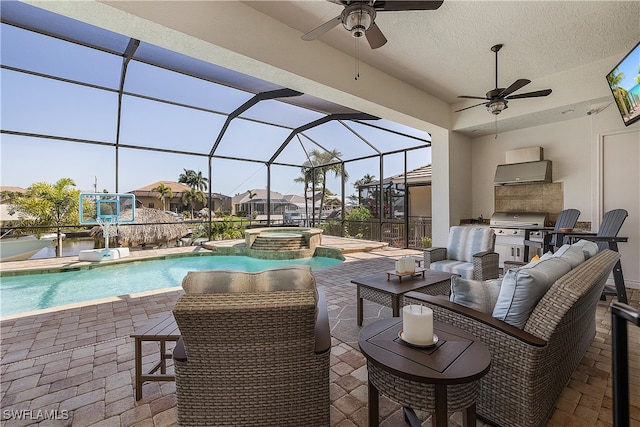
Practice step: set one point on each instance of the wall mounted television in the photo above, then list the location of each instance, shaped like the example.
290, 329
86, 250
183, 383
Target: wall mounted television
624, 81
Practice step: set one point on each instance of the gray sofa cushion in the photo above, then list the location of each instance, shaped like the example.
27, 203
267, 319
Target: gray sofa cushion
523, 287
572, 254
476, 294
226, 281
588, 247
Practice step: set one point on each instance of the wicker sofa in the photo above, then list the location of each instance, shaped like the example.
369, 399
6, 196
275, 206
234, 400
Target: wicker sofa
531, 366
254, 349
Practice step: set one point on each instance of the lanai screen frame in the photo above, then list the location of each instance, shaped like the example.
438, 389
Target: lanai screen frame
31, 18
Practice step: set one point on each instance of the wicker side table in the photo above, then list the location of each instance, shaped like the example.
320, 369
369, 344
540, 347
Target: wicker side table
389, 293
441, 379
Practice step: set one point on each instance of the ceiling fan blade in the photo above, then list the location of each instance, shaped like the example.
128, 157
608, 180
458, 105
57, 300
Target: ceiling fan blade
535, 94
318, 31
466, 108
375, 37
473, 97
514, 87
400, 5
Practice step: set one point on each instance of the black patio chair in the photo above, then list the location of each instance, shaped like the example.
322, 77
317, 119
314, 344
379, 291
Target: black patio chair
606, 237
566, 219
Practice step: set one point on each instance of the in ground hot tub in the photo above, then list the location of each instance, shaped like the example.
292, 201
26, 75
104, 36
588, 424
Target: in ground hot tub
282, 243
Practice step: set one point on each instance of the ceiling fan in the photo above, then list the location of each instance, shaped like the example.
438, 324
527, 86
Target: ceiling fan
358, 17
497, 99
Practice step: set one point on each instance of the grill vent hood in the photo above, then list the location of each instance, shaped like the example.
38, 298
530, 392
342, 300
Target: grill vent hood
523, 173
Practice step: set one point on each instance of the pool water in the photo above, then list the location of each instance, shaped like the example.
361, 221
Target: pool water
280, 234
24, 293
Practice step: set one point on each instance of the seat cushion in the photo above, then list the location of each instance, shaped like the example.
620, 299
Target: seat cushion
522, 288
464, 269
480, 295
464, 242
226, 281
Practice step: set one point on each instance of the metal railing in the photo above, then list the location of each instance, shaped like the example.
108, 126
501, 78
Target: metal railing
620, 315
389, 231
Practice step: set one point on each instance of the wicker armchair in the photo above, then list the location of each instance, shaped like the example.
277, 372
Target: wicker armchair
470, 252
530, 367
258, 356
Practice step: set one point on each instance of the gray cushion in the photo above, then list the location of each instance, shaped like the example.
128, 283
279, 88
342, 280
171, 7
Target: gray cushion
466, 241
464, 269
226, 281
588, 247
572, 254
476, 294
522, 288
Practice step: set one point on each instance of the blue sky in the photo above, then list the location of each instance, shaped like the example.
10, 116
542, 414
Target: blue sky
44, 106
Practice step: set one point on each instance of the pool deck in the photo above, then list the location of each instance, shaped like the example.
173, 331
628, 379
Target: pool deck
79, 361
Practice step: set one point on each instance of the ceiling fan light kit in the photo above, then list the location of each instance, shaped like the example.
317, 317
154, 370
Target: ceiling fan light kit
357, 19
496, 107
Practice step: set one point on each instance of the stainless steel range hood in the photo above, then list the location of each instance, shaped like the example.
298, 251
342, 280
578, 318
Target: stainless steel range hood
523, 173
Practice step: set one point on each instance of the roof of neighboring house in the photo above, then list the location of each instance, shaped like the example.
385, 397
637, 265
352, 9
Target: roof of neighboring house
260, 196
421, 175
294, 199
175, 187
418, 175
12, 189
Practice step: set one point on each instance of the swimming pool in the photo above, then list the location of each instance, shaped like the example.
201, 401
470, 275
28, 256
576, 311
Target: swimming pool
24, 293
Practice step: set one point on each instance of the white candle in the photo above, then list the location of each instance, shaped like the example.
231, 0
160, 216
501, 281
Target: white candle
411, 265
417, 325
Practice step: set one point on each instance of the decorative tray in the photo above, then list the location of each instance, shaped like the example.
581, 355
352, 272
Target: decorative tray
418, 272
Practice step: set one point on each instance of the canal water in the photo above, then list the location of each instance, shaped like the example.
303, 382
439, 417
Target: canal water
70, 247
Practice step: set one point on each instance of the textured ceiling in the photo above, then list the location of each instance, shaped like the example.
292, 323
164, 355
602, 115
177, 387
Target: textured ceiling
447, 53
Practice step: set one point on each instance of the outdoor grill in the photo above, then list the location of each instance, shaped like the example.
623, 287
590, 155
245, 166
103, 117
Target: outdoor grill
511, 229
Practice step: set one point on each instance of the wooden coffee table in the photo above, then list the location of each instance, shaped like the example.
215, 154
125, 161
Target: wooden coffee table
444, 378
389, 292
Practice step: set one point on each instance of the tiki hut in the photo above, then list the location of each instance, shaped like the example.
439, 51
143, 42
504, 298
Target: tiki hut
150, 227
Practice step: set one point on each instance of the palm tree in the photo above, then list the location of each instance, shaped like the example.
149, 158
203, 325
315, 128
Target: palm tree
48, 204
323, 158
187, 177
614, 78
164, 193
194, 179
364, 180
193, 196
200, 182
307, 179
251, 194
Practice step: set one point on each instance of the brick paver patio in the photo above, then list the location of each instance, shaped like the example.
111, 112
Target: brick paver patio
77, 364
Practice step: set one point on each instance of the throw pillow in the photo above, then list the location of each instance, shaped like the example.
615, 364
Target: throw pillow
522, 289
476, 294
